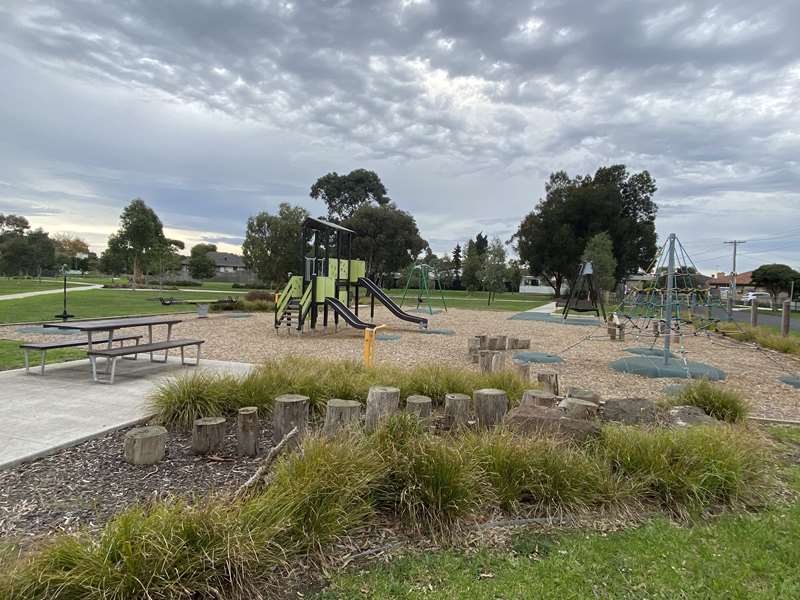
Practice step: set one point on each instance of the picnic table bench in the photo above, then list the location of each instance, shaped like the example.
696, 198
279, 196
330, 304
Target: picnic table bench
43, 347
113, 354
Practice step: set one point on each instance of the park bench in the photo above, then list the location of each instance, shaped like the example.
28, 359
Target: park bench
43, 347
113, 354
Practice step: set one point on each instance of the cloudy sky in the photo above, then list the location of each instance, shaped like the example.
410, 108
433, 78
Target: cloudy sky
212, 111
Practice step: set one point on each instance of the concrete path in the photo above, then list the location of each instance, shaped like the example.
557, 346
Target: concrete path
40, 415
82, 288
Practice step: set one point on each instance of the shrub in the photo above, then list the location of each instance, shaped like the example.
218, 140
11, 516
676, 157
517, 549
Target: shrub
762, 336
320, 380
720, 403
263, 295
690, 468
250, 286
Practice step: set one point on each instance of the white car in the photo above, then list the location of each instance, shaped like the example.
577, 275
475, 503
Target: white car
758, 298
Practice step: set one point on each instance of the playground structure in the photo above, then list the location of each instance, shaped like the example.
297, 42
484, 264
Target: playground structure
331, 281
584, 297
424, 274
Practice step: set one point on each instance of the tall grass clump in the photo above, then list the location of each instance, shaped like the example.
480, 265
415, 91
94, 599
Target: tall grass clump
544, 474
692, 468
720, 403
430, 483
321, 494
168, 551
179, 401
764, 337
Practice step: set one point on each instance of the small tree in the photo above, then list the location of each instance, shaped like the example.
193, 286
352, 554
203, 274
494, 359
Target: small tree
600, 252
775, 278
140, 231
272, 244
493, 273
470, 273
201, 265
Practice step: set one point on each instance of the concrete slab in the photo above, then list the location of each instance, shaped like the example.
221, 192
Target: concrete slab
40, 415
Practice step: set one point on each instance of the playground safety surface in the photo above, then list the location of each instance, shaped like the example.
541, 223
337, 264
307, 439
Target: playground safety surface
586, 352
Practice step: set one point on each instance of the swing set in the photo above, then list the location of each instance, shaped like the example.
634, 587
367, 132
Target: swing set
424, 274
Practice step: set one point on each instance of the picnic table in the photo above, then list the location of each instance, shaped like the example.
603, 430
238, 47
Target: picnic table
110, 326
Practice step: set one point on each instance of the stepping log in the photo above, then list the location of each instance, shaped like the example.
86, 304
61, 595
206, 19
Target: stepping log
341, 414
523, 344
247, 431
549, 382
523, 370
289, 411
497, 342
612, 331
474, 348
491, 406
621, 331
575, 408
513, 343
456, 409
382, 402
208, 434
145, 445
483, 340
491, 361
539, 398
420, 406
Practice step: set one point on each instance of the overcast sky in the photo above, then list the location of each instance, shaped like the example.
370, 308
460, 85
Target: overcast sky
213, 111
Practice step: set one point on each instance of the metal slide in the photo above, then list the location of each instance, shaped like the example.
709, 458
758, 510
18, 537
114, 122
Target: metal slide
348, 315
398, 312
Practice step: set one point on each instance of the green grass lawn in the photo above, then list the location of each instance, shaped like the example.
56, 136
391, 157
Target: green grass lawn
511, 301
95, 303
734, 556
11, 357
17, 286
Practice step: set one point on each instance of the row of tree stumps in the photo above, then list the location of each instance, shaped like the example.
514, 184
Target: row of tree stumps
488, 352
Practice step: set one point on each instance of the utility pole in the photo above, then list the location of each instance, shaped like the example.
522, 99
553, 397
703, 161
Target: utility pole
732, 291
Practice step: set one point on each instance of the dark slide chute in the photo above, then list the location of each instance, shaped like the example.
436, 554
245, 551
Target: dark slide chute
398, 312
348, 315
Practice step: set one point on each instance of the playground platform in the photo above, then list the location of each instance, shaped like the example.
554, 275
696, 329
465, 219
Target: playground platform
40, 415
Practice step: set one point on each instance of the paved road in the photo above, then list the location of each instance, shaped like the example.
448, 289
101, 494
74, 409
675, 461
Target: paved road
60, 290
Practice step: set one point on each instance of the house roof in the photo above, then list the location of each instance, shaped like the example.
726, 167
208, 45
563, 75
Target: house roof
226, 259
724, 279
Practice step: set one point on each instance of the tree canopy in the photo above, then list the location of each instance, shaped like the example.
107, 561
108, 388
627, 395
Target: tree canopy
552, 238
272, 243
493, 273
140, 232
23, 250
387, 238
201, 265
345, 194
775, 278
600, 252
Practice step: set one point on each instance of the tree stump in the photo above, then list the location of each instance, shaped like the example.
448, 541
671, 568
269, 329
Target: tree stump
382, 402
491, 361
247, 431
582, 394
145, 445
575, 408
491, 406
208, 434
456, 409
474, 348
289, 411
512, 343
523, 344
612, 331
656, 328
502, 342
341, 414
621, 331
549, 382
523, 370
483, 340
493, 343
539, 398
420, 406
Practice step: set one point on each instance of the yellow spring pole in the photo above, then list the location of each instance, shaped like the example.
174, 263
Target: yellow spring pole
369, 345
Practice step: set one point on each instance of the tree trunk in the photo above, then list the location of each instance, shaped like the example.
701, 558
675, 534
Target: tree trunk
145, 445
490, 406
456, 409
247, 431
289, 411
382, 402
208, 435
491, 361
549, 382
539, 398
341, 414
420, 406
